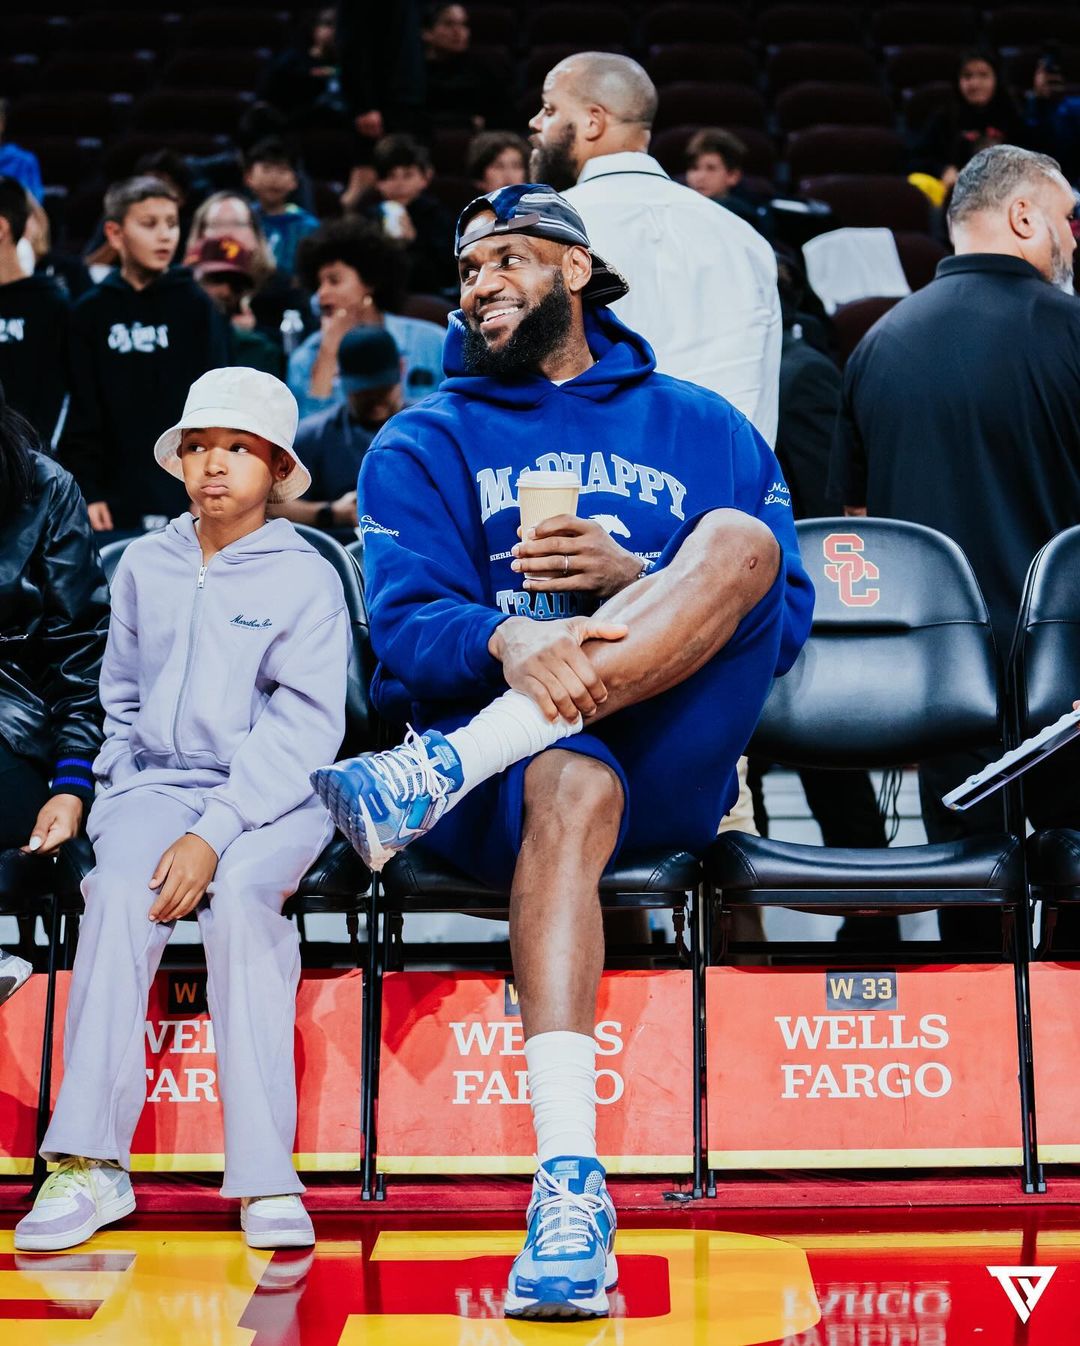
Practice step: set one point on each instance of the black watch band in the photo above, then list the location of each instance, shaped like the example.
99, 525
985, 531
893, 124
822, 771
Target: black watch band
324, 517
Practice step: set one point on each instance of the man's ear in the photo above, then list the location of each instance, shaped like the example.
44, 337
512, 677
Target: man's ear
577, 268
594, 122
1022, 218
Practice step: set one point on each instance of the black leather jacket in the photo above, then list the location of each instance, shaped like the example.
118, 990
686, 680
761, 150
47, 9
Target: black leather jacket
54, 615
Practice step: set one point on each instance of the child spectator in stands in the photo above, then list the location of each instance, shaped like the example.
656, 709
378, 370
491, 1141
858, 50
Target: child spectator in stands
405, 210
224, 269
54, 608
304, 82
16, 162
270, 176
332, 443
137, 341
204, 806
359, 278
33, 325
1052, 113
497, 159
463, 89
981, 113
715, 161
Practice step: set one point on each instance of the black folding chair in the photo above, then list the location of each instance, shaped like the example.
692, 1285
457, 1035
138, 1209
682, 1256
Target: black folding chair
900, 667
1045, 680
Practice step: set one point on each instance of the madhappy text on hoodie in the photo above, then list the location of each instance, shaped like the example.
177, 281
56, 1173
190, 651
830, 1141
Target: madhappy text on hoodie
439, 510
229, 679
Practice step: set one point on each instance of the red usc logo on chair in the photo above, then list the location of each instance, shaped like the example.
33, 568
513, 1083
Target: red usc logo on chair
848, 568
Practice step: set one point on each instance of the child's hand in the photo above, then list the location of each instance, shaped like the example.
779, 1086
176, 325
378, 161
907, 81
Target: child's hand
183, 875
59, 821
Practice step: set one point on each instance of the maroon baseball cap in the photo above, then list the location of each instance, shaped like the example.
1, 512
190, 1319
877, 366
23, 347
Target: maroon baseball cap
216, 255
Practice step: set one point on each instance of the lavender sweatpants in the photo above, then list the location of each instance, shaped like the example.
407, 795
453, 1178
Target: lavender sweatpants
253, 966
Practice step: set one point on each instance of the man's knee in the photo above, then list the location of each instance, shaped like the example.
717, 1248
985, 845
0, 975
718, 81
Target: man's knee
568, 793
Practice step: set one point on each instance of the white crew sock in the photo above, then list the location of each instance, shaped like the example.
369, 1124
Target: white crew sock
562, 1087
512, 728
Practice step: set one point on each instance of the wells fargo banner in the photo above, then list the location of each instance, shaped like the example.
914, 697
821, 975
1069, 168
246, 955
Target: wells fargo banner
180, 1129
453, 1092
844, 1068
1055, 1015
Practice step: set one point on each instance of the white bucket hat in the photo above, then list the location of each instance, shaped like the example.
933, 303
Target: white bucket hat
240, 399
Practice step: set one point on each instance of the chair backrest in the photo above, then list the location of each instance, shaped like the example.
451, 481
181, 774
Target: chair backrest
865, 201
844, 149
900, 665
1045, 661
359, 715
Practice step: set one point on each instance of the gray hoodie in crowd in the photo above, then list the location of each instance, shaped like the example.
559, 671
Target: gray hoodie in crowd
229, 678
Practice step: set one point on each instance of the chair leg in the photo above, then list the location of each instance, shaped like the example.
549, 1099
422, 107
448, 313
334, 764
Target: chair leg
45, 1073
371, 1038
1034, 1178
697, 974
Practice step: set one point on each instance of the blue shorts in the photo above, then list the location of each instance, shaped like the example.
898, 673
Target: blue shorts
674, 754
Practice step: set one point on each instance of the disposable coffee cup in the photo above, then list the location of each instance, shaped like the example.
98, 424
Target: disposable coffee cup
543, 495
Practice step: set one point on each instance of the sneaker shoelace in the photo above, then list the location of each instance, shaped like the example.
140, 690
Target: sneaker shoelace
409, 771
567, 1220
69, 1179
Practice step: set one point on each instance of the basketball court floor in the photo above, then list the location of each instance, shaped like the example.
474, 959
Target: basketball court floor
964, 1261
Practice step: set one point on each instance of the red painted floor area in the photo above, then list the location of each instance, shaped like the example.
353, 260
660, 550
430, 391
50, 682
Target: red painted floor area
807, 1261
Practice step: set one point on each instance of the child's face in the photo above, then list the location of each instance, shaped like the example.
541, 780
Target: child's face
271, 184
404, 184
507, 169
148, 235
230, 473
711, 176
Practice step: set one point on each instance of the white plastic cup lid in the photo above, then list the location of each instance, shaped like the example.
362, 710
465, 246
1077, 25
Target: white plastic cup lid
538, 477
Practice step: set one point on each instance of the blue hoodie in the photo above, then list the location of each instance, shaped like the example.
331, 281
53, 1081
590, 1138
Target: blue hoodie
227, 679
439, 516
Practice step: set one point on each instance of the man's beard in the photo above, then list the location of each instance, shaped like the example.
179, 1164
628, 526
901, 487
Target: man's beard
1061, 271
554, 164
539, 334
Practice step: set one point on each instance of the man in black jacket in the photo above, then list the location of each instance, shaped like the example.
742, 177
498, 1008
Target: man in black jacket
137, 343
962, 412
33, 325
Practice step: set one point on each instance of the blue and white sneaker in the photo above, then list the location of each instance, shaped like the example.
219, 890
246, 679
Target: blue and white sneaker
384, 800
568, 1263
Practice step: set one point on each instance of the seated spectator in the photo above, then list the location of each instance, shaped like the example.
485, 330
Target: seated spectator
402, 206
715, 160
304, 82
68, 271
224, 269
54, 602
981, 113
332, 443
270, 176
137, 342
226, 215
1053, 115
359, 279
16, 162
497, 159
33, 325
462, 88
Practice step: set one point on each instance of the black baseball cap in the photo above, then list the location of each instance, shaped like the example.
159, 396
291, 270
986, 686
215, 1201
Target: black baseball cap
368, 357
535, 209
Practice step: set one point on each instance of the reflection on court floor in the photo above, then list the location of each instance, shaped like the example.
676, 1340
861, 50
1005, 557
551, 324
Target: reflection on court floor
842, 1280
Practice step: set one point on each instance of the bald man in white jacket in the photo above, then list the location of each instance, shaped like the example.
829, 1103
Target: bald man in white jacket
702, 281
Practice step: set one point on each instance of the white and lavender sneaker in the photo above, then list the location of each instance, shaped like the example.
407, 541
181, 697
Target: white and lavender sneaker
13, 972
75, 1201
276, 1222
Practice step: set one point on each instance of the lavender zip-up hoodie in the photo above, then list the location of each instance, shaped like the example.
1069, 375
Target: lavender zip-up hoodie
228, 679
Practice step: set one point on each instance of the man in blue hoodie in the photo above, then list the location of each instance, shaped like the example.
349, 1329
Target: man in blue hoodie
647, 664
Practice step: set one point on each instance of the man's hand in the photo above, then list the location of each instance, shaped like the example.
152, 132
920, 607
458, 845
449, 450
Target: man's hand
566, 553
183, 875
344, 510
855, 511
370, 124
100, 516
545, 661
59, 820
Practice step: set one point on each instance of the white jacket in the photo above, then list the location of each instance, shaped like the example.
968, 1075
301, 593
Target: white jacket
702, 281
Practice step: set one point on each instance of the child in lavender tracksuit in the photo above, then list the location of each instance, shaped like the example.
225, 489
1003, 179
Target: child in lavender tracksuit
223, 686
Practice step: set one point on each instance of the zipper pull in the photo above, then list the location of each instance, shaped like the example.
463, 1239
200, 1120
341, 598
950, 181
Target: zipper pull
202, 577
